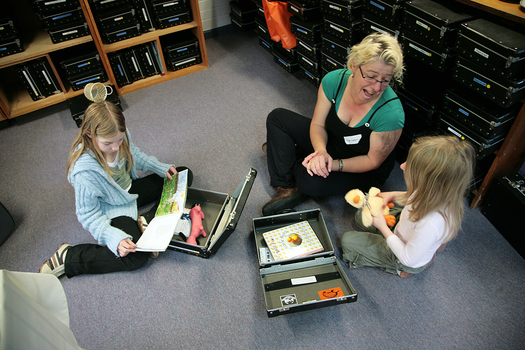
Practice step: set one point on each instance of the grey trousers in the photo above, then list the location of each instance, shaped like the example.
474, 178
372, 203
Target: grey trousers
368, 247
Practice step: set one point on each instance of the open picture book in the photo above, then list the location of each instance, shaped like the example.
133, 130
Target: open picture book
160, 230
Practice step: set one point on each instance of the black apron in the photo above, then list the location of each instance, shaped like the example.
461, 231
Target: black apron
347, 142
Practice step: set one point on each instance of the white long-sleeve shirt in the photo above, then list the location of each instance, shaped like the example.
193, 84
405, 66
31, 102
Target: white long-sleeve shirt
415, 243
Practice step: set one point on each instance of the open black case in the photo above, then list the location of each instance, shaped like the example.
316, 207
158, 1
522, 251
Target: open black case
221, 214
303, 283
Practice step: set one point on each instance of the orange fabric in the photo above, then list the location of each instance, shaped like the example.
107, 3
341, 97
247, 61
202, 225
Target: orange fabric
278, 22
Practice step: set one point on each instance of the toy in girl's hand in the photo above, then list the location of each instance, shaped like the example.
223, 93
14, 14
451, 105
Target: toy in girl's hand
372, 205
196, 216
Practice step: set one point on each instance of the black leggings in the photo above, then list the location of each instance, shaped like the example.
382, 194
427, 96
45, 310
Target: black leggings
95, 259
288, 137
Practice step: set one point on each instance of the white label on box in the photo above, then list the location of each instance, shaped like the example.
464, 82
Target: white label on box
479, 52
426, 53
421, 24
303, 280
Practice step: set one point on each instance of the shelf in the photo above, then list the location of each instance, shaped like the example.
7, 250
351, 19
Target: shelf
147, 37
504, 9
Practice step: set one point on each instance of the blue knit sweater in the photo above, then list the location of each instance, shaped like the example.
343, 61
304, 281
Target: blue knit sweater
99, 199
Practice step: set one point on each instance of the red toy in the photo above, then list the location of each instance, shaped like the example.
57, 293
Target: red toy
196, 217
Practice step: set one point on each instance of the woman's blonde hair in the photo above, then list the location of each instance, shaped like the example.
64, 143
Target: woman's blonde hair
101, 119
437, 173
378, 47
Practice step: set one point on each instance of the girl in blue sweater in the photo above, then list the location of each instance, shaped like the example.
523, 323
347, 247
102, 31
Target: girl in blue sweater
102, 167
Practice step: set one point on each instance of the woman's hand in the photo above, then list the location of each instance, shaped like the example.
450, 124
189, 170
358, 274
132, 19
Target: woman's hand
125, 247
171, 172
319, 164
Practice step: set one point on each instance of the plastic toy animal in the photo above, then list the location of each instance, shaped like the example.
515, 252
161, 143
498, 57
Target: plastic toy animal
196, 216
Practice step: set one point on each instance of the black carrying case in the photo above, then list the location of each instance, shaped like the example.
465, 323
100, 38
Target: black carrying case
262, 28
184, 62
134, 64
503, 91
291, 65
347, 10
81, 64
63, 18
333, 47
145, 15
149, 55
266, 44
10, 46
46, 7
161, 7
97, 76
434, 21
482, 116
46, 76
311, 77
174, 19
68, 32
373, 24
311, 66
388, 13
180, 44
123, 16
104, 5
30, 81
483, 146
313, 52
499, 49
221, 215
120, 68
303, 10
329, 63
343, 30
243, 14
439, 58
304, 283
308, 32
288, 54
122, 33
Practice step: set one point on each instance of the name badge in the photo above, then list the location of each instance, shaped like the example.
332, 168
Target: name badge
353, 140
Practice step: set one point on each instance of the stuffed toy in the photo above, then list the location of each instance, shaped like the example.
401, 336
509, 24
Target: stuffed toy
372, 205
196, 216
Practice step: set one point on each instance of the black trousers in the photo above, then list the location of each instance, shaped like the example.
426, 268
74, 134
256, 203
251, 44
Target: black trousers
288, 138
96, 259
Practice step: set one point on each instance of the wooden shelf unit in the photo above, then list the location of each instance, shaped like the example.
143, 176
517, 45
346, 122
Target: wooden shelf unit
15, 100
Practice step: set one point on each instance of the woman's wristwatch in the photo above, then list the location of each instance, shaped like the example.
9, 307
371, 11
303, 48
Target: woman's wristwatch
340, 164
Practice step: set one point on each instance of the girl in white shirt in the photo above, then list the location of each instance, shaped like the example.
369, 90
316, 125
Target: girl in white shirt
437, 173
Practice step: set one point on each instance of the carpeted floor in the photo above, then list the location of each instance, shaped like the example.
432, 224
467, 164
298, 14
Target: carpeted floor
213, 121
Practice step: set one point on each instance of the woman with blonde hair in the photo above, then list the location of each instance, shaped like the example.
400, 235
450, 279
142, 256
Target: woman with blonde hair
102, 167
349, 141
438, 171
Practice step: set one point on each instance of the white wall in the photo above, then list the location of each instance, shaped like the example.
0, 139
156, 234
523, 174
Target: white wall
214, 13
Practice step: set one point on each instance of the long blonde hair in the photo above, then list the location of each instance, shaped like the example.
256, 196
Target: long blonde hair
101, 119
438, 172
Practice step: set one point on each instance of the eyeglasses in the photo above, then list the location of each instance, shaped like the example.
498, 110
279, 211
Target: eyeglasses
384, 83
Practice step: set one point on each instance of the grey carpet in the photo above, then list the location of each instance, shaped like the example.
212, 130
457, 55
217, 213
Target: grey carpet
214, 122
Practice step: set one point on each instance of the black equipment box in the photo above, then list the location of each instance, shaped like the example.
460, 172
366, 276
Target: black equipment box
417, 71
483, 117
243, 14
336, 48
134, 64
290, 65
81, 64
221, 215
503, 207
184, 62
123, 16
120, 68
150, 59
144, 15
343, 30
7, 28
262, 28
47, 77
311, 66
499, 49
78, 104
313, 52
78, 82
483, 146
439, 58
10, 46
347, 10
287, 54
433, 21
63, 18
161, 7
266, 44
68, 32
171, 19
373, 24
329, 63
122, 33
414, 104
31, 83
311, 77
305, 283
308, 32
303, 10
46, 7
103, 5
180, 44
503, 91
389, 13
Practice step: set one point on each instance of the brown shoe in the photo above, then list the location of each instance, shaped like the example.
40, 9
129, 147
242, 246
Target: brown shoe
285, 198
265, 147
